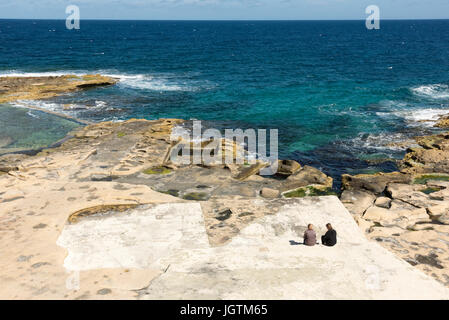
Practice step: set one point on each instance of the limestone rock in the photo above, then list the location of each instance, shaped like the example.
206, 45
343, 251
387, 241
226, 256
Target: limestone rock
411, 194
246, 172
444, 219
373, 182
364, 225
269, 193
288, 167
400, 214
306, 176
102, 177
432, 157
438, 210
443, 122
357, 201
11, 195
438, 141
383, 202
438, 184
32, 88
11, 162
377, 214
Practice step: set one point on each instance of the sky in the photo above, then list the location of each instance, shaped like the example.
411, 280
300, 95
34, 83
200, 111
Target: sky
225, 9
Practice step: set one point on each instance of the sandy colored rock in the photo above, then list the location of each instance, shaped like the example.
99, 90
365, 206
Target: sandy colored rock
32, 88
307, 175
288, 167
357, 201
383, 202
438, 210
443, 122
269, 193
263, 255
375, 183
400, 214
444, 219
250, 170
110, 226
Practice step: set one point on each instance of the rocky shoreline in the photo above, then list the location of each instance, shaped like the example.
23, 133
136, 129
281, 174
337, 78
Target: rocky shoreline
407, 211
34, 88
115, 166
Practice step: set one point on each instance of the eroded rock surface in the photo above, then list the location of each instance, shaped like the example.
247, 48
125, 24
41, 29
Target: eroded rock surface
178, 262
212, 227
110, 168
32, 88
407, 211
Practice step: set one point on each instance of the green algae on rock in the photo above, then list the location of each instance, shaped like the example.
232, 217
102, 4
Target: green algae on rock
157, 170
422, 179
309, 191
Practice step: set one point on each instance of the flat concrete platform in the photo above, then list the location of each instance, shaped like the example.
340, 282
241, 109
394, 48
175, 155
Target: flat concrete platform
169, 244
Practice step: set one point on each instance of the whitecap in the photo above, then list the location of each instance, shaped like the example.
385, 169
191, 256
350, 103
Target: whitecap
432, 91
422, 117
161, 82
384, 141
155, 83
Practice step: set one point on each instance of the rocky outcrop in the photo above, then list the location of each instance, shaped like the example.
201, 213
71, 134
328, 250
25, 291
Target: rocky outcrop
443, 122
11, 162
407, 212
307, 175
432, 157
375, 183
357, 201
194, 221
288, 167
32, 88
164, 251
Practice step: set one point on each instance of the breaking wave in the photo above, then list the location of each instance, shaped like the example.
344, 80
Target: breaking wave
432, 91
156, 82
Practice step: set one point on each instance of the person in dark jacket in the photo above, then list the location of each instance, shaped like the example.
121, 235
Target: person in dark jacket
330, 238
310, 236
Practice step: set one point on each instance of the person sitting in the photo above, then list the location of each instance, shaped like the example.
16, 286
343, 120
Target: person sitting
330, 238
310, 236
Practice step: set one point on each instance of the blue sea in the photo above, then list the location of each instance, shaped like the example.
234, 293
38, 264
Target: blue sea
343, 97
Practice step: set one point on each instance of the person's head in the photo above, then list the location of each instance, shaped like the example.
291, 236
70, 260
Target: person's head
310, 226
329, 226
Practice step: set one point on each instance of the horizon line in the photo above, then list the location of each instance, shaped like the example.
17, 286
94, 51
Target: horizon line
218, 20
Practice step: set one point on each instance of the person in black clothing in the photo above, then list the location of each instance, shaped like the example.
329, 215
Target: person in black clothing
330, 238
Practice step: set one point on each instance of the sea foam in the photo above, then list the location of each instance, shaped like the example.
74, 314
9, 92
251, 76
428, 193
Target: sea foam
169, 82
432, 91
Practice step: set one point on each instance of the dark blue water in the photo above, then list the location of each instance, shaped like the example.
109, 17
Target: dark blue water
339, 94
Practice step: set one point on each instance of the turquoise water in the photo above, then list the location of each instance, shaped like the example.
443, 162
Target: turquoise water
25, 130
339, 94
